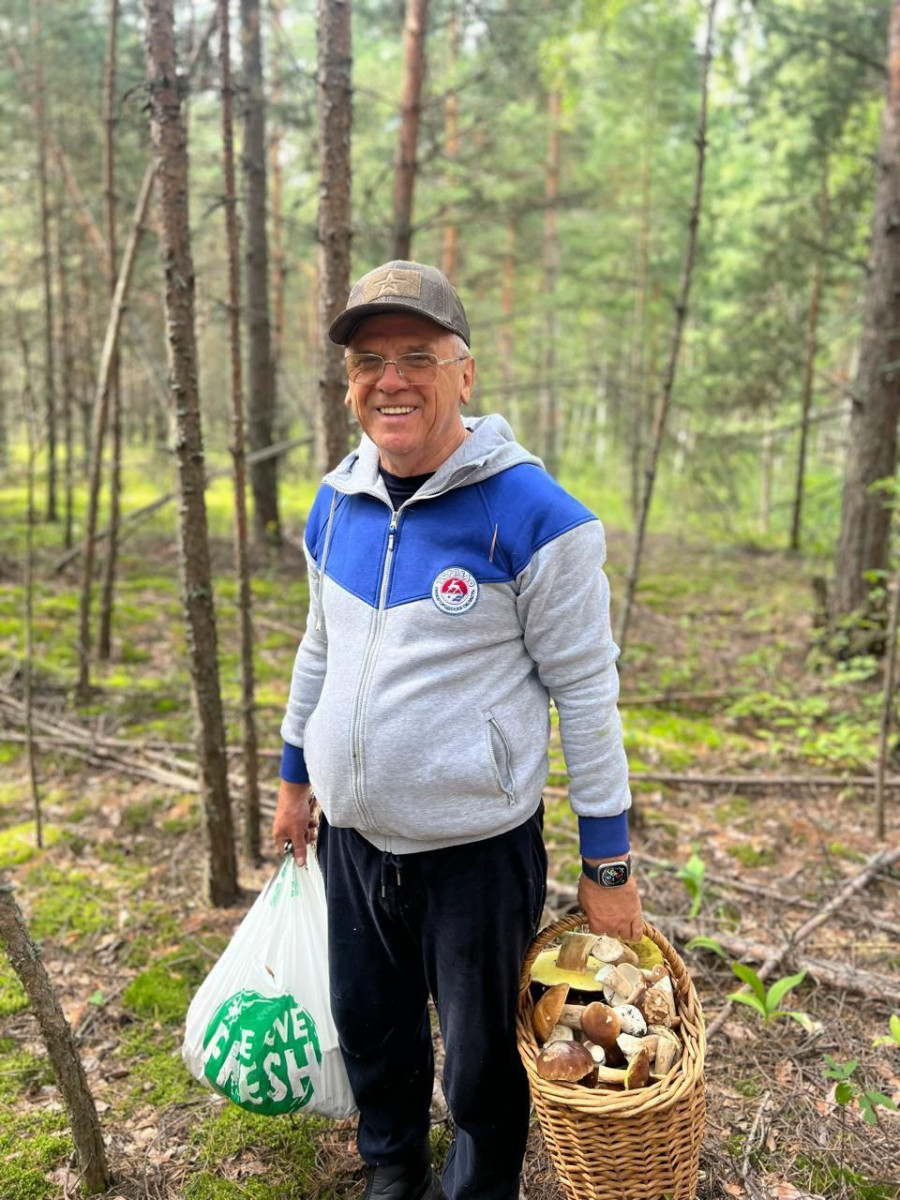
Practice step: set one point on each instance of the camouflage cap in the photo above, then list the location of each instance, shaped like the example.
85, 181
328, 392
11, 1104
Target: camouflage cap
402, 286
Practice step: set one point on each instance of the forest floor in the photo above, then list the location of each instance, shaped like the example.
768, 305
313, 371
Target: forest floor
721, 678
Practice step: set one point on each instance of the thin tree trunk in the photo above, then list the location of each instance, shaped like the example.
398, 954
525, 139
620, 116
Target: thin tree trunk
248, 722
681, 306
549, 416
766, 472
37, 37
104, 637
638, 375
811, 333
170, 150
279, 269
67, 377
28, 621
335, 117
887, 708
261, 406
507, 344
410, 112
451, 147
101, 400
872, 450
87, 379
25, 960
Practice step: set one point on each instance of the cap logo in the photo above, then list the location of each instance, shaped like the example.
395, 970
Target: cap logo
393, 282
454, 591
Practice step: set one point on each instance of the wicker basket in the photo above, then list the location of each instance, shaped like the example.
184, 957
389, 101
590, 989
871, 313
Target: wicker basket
609, 1144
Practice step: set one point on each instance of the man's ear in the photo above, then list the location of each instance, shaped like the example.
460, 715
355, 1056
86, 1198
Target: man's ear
467, 381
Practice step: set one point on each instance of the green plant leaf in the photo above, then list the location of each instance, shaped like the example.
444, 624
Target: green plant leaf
706, 943
749, 976
892, 1038
844, 1092
837, 1070
753, 1002
781, 987
806, 1021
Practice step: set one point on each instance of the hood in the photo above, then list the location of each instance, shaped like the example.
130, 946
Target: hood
489, 449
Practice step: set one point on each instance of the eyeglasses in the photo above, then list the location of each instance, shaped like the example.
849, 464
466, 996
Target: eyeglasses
414, 368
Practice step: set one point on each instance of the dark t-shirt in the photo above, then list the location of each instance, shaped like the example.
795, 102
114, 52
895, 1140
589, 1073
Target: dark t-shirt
401, 487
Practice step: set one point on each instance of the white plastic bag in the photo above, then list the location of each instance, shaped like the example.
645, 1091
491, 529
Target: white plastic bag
259, 1031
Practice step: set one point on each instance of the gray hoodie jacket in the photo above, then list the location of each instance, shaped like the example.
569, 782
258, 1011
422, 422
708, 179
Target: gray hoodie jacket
436, 636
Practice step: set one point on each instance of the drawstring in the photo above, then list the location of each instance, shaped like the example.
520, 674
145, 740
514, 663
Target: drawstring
390, 860
334, 496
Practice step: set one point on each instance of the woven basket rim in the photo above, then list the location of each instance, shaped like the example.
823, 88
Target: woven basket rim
685, 1075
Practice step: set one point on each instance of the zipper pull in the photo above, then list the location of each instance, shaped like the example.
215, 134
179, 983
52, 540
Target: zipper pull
392, 529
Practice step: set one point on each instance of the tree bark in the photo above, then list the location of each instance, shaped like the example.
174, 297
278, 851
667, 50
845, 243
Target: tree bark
261, 406
25, 960
887, 708
410, 111
875, 401
681, 305
101, 401
811, 334
67, 374
104, 637
451, 148
279, 268
251, 829
335, 118
40, 108
548, 414
170, 151
507, 344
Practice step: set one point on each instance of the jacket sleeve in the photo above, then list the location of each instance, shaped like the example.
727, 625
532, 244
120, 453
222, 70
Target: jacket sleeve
563, 607
309, 666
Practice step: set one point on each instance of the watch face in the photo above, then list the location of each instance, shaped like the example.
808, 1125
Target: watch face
614, 875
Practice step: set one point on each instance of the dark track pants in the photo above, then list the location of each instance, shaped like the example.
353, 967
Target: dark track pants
456, 923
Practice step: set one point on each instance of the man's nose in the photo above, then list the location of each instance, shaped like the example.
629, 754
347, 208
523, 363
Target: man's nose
392, 380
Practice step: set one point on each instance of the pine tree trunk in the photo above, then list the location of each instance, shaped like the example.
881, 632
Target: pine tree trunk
638, 376
279, 268
507, 305
67, 374
451, 148
261, 406
251, 830
681, 306
811, 334
170, 151
872, 450
101, 405
410, 111
25, 960
549, 416
46, 259
87, 377
335, 117
104, 637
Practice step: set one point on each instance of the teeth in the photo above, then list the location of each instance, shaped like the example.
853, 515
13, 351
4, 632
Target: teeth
396, 410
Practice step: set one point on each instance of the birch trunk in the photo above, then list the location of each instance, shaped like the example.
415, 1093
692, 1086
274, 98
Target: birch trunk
872, 449
170, 151
251, 828
410, 112
335, 118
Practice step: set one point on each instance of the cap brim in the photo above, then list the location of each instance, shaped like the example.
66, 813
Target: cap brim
344, 325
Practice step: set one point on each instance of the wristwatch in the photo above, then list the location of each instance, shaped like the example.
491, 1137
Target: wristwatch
609, 874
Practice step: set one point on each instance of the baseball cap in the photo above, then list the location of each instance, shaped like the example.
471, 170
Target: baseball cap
401, 286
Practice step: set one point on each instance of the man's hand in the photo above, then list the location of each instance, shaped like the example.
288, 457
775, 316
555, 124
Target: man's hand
615, 911
293, 820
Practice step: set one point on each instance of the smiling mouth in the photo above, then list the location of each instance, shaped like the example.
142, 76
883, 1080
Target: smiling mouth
396, 410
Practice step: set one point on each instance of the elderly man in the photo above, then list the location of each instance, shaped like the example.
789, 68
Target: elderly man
455, 589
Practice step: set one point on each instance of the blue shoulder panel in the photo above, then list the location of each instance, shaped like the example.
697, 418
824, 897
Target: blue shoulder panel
530, 509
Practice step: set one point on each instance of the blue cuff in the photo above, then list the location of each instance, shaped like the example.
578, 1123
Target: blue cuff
602, 837
293, 765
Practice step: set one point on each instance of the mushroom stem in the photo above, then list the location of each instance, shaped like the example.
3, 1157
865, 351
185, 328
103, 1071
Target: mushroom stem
574, 950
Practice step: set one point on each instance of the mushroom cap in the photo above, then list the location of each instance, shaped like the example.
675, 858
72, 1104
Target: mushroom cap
611, 950
566, 1061
631, 1020
601, 1024
560, 1033
647, 951
638, 1073
658, 1007
547, 1010
545, 970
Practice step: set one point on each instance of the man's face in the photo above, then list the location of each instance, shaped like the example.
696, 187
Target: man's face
415, 427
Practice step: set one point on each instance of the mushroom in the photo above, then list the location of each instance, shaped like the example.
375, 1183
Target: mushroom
574, 951
597, 1053
547, 1010
631, 1046
668, 1051
560, 1033
547, 971
654, 974
631, 1020
638, 1073
611, 950
658, 1006
600, 1024
571, 1014
567, 1061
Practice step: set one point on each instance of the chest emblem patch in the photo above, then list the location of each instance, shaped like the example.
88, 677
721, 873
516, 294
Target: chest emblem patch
454, 591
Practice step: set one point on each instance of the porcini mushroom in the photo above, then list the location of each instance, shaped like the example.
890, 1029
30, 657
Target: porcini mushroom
631, 1020
668, 1051
560, 1033
611, 950
547, 971
547, 1010
658, 1006
632, 1046
638, 1073
574, 950
565, 1061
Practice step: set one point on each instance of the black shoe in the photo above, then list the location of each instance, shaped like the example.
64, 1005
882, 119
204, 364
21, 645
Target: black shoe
403, 1182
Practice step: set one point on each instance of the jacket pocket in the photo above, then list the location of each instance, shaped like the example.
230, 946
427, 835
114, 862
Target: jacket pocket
501, 757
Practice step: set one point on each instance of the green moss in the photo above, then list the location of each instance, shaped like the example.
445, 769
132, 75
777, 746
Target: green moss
839, 850
30, 1146
139, 815
19, 1069
18, 844
66, 901
824, 1178
735, 809
160, 992
9, 754
750, 856
209, 1187
288, 1146
12, 994
159, 1076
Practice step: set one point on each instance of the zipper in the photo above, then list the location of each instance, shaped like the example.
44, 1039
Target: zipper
368, 672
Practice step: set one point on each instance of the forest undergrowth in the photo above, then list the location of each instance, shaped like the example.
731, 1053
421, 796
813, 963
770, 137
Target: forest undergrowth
722, 677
